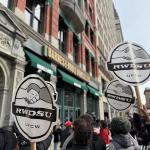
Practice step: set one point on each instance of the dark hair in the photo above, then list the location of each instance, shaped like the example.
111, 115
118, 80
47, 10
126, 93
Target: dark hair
103, 124
82, 132
88, 119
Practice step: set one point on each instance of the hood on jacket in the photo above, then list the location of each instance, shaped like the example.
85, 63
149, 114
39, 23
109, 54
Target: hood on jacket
124, 140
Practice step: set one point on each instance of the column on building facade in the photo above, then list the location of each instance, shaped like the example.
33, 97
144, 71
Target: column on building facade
90, 65
54, 18
69, 45
83, 57
89, 33
19, 8
84, 101
96, 69
16, 74
47, 17
80, 55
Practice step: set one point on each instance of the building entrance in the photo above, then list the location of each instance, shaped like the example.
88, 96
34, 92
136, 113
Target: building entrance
69, 101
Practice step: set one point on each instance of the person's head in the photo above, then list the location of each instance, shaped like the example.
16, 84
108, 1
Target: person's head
82, 132
103, 124
120, 125
88, 119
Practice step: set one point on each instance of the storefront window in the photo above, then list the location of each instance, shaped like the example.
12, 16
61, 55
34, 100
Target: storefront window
69, 101
92, 104
68, 98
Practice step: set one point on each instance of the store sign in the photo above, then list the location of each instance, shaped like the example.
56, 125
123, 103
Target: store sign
5, 41
129, 63
119, 95
66, 64
34, 108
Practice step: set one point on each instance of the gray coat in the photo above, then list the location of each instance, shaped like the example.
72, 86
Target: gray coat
123, 142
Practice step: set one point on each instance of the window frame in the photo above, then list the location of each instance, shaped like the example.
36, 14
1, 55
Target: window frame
33, 16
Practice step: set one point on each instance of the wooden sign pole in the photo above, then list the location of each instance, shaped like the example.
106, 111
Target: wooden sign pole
138, 100
33, 145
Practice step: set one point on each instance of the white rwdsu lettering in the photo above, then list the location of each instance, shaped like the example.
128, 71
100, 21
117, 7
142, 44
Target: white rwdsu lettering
124, 66
18, 111
46, 114
116, 66
40, 113
24, 111
32, 113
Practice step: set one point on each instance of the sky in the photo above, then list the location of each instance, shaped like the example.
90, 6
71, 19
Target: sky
135, 22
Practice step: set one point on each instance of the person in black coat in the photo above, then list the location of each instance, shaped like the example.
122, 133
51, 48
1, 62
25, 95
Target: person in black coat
66, 132
82, 136
96, 143
56, 133
8, 140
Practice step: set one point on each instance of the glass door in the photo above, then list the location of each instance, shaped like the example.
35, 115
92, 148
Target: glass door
68, 114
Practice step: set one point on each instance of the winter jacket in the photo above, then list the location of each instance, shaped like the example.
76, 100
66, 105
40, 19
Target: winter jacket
97, 143
104, 133
123, 142
56, 134
78, 147
8, 140
64, 134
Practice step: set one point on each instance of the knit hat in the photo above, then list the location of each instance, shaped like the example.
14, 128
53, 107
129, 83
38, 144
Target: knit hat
68, 124
120, 125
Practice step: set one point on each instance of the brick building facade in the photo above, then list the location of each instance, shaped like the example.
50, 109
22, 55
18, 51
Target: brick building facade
57, 40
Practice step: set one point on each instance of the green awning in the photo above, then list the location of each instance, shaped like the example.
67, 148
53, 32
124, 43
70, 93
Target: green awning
37, 62
50, 2
71, 80
93, 91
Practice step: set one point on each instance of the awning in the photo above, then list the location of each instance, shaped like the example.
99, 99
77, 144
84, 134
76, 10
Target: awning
71, 80
37, 62
50, 2
93, 91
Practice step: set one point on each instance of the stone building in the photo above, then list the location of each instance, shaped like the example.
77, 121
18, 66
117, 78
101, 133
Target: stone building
57, 40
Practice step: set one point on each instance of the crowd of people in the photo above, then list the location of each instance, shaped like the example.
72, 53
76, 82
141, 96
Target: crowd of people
87, 133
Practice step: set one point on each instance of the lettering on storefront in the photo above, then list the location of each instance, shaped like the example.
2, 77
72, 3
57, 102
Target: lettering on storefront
5, 41
66, 64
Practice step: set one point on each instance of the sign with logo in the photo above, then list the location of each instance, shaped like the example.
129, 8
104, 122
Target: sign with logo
119, 95
34, 108
129, 63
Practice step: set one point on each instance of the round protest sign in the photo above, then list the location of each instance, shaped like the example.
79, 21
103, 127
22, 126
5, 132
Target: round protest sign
119, 95
129, 63
34, 108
